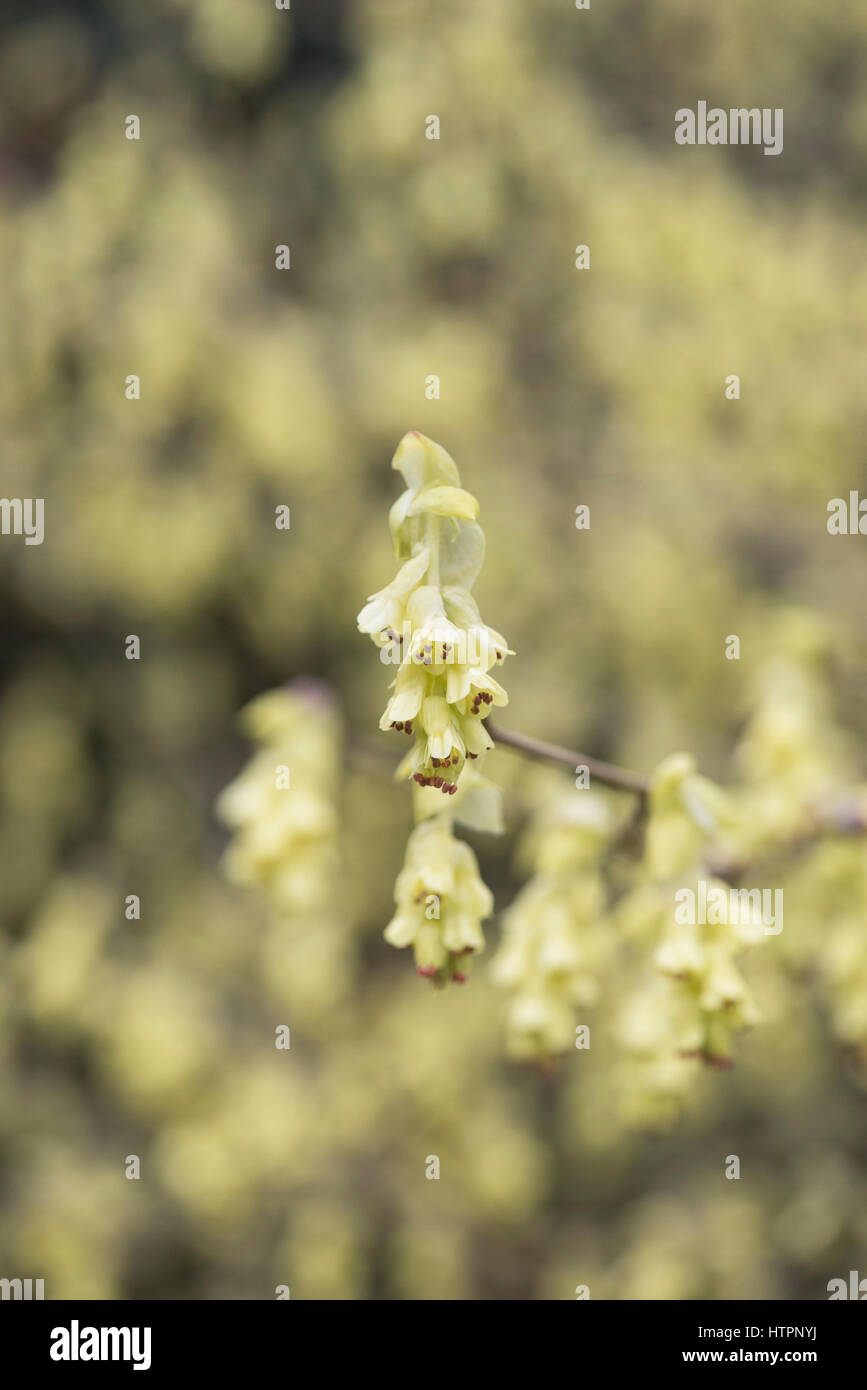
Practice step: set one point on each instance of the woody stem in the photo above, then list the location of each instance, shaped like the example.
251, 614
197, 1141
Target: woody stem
620, 778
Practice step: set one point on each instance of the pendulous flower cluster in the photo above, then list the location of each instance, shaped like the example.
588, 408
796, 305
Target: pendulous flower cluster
710, 997
441, 903
554, 934
281, 806
427, 623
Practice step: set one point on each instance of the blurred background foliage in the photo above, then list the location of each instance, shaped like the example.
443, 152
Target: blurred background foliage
262, 387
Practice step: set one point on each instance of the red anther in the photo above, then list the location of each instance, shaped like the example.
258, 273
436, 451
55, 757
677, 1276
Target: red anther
427, 971
459, 979
438, 781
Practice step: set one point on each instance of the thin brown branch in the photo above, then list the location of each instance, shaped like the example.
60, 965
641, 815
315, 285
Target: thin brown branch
619, 778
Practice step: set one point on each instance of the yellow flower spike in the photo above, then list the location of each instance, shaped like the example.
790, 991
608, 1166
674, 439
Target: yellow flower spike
441, 903
699, 959
554, 933
427, 616
284, 837
686, 813
441, 693
686, 810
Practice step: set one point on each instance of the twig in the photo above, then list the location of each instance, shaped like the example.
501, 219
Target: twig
610, 776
